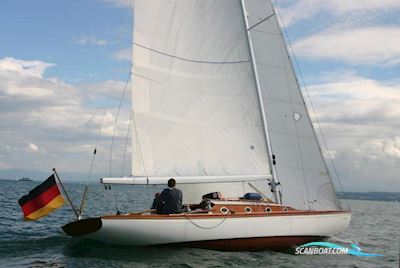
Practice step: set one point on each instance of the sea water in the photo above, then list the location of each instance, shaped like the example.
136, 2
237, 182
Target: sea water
375, 227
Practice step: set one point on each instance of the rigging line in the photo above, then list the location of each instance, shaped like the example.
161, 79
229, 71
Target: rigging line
138, 146
261, 21
189, 60
117, 117
110, 195
312, 106
207, 228
92, 163
126, 145
98, 136
86, 189
100, 128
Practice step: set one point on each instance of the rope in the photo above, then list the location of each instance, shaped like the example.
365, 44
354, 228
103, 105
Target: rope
207, 228
111, 195
91, 167
311, 104
98, 137
138, 146
189, 60
112, 141
125, 147
116, 119
92, 163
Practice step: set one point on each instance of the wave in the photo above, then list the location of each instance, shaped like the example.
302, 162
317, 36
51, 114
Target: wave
28, 246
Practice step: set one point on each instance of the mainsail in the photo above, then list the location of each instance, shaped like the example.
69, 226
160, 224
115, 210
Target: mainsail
195, 104
194, 99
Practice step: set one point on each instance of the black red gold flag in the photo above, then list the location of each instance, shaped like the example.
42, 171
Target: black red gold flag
42, 200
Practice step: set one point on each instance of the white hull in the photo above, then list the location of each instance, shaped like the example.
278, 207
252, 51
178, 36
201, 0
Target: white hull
147, 232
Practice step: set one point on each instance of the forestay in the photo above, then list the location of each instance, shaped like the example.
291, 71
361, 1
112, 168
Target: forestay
300, 165
194, 98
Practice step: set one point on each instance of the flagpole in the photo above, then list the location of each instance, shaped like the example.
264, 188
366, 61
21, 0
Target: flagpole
83, 200
66, 194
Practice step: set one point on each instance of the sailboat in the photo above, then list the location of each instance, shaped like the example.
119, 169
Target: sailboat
216, 105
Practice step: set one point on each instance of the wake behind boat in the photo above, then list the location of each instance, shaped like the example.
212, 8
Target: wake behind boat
217, 106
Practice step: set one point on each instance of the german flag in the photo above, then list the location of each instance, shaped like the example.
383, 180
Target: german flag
42, 200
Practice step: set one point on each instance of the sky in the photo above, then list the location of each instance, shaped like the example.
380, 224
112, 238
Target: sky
64, 67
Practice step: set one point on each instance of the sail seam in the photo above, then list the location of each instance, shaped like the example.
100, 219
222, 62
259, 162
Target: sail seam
144, 77
190, 60
284, 101
261, 31
198, 124
261, 21
304, 169
273, 66
292, 135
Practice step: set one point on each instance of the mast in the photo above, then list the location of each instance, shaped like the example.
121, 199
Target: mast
274, 184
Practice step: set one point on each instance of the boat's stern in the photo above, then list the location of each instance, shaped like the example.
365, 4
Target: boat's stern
82, 227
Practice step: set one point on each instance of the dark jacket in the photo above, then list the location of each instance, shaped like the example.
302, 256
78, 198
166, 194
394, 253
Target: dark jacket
169, 201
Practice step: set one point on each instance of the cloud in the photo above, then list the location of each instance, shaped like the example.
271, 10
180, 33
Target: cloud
359, 117
23, 80
299, 10
344, 6
33, 147
372, 45
109, 89
89, 40
49, 123
123, 54
391, 147
388, 147
372, 165
24, 68
121, 3
360, 99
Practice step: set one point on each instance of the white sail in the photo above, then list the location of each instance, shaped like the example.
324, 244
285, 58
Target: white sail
300, 166
195, 103
194, 99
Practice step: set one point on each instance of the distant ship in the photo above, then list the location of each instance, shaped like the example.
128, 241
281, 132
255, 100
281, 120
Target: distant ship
25, 179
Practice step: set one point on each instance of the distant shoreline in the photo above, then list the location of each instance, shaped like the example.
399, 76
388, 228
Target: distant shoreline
371, 196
